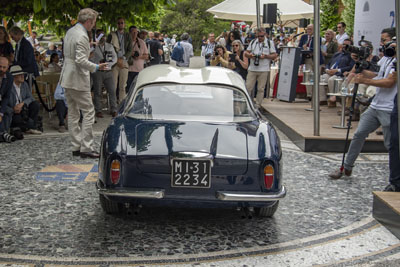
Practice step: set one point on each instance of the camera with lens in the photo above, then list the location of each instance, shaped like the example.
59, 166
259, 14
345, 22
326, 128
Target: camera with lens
107, 57
135, 54
256, 60
363, 52
216, 53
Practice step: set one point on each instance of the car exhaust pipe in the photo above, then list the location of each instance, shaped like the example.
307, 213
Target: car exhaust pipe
246, 212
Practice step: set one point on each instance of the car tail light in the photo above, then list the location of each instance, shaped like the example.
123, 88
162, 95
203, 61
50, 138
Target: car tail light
115, 171
269, 176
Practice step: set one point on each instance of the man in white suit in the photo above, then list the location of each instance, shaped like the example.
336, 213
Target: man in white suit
75, 79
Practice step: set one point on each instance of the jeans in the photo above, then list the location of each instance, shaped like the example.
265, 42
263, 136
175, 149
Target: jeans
61, 110
394, 161
370, 120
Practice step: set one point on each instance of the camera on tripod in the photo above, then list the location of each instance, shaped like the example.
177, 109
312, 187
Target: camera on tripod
363, 53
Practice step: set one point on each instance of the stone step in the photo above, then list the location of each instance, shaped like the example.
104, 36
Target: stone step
386, 210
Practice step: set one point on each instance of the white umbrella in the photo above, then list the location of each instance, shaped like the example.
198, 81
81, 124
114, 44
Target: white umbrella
246, 10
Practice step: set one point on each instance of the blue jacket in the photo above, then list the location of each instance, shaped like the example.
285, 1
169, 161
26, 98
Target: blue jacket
26, 57
303, 41
5, 92
341, 61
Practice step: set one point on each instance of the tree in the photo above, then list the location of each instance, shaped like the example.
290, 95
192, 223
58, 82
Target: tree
57, 15
330, 16
191, 17
348, 15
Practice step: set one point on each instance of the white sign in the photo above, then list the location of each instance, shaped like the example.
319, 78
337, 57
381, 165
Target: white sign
371, 17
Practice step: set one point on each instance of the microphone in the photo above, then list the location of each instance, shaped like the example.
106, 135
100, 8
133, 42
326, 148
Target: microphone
299, 34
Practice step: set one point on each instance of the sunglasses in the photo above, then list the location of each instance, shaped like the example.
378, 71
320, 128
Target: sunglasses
260, 36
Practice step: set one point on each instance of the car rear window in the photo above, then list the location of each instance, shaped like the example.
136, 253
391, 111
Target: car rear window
190, 103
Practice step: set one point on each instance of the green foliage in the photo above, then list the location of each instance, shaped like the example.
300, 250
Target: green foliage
56, 16
348, 15
330, 14
191, 17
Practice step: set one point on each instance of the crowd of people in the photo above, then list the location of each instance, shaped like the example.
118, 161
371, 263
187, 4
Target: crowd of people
125, 52
92, 60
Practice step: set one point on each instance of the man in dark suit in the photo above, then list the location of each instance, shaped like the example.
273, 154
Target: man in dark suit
6, 83
340, 63
306, 43
24, 54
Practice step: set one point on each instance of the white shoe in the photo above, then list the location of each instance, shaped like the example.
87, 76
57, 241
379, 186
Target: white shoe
33, 131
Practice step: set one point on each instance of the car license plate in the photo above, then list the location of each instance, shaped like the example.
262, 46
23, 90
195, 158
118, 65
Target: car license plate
191, 173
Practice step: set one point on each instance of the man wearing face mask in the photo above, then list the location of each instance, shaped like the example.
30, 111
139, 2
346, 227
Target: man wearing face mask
104, 53
379, 111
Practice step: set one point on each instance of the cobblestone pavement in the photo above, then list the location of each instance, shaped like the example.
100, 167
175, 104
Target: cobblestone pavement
61, 222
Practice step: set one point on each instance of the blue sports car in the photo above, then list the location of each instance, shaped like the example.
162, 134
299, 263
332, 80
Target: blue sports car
190, 136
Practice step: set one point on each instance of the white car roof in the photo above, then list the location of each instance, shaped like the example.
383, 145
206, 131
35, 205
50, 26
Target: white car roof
207, 75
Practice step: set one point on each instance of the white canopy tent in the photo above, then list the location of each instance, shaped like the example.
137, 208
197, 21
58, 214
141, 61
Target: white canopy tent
245, 10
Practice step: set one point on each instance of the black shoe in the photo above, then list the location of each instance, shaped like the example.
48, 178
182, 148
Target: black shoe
76, 153
391, 188
92, 154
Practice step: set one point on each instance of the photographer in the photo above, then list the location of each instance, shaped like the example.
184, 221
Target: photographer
208, 50
139, 55
378, 113
238, 62
104, 53
260, 51
220, 57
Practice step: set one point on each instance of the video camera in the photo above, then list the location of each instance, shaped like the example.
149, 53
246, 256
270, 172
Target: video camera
363, 52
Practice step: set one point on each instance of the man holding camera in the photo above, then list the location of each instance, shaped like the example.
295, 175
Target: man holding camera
139, 55
104, 53
260, 52
378, 113
122, 43
208, 50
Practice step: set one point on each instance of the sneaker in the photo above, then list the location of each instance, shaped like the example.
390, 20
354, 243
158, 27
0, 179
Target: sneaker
33, 131
338, 174
62, 129
391, 188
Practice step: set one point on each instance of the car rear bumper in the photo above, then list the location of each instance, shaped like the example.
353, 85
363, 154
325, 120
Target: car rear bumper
220, 195
130, 193
251, 197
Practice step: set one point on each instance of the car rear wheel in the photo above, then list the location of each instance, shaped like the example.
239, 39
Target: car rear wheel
110, 207
267, 211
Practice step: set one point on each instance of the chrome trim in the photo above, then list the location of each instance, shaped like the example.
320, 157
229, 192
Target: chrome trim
136, 193
248, 196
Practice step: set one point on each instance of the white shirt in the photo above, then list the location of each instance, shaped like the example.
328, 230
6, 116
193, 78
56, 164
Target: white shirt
34, 43
258, 48
18, 91
383, 99
188, 53
340, 38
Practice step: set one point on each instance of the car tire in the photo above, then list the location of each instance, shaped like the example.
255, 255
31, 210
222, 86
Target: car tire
267, 211
110, 207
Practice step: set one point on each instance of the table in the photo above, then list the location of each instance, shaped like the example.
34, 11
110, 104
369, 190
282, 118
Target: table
343, 103
312, 102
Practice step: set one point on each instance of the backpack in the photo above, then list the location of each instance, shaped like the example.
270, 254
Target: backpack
177, 53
